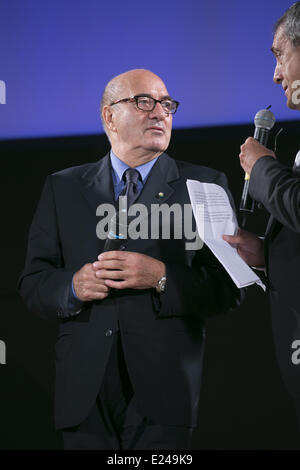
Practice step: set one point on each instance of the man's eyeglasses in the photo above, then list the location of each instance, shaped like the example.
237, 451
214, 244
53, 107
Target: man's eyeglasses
147, 103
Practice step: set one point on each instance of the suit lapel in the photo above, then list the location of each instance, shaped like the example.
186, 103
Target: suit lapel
273, 225
157, 189
270, 225
97, 185
273, 228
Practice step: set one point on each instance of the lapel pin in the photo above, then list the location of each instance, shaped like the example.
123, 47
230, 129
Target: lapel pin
160, 194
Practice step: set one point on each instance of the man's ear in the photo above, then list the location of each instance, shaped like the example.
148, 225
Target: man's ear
108, 117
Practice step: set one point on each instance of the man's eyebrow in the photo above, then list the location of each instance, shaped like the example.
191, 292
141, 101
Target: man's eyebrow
166, 97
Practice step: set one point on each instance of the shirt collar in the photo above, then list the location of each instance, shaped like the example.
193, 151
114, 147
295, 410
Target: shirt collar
119, 167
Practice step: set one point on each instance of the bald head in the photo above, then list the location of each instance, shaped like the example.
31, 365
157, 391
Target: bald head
118, 86
136, 135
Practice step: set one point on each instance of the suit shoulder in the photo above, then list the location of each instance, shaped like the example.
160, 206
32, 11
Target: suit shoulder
74, 171
77, 171
193, 171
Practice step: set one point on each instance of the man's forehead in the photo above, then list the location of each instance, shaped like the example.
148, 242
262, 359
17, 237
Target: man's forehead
145, 84
280, 41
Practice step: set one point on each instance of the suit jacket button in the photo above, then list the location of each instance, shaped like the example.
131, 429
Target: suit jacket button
108, 332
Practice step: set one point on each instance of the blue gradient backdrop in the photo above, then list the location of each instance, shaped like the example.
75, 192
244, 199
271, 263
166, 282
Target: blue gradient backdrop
56, 57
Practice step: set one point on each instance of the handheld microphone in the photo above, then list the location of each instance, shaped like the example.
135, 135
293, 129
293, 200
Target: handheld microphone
264, 121
116, 235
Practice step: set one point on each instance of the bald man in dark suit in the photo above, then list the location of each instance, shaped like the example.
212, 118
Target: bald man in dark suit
132, 321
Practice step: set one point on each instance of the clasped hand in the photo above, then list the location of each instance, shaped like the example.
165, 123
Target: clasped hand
118, 270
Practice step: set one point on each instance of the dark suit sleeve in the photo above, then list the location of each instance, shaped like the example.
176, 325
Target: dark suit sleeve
201, 289
278, 189
44, 284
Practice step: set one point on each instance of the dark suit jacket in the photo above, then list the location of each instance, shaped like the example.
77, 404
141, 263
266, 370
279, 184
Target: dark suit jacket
278, 189
162, 336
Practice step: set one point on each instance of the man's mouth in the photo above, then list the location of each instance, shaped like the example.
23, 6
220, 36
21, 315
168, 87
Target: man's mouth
155, 128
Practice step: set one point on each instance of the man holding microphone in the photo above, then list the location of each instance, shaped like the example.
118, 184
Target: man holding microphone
277, 187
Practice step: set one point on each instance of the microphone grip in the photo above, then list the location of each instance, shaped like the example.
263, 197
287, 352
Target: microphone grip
247, 203
116, 235
113, 244
261, 135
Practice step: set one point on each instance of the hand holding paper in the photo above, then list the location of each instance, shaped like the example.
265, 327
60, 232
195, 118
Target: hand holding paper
215, 217
249, 246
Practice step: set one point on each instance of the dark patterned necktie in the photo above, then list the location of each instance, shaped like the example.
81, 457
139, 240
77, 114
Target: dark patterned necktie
115, 240
131, 177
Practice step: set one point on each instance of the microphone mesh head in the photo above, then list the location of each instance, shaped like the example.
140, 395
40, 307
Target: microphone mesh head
264, 119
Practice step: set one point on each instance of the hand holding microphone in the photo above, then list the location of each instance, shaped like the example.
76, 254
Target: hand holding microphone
253, 149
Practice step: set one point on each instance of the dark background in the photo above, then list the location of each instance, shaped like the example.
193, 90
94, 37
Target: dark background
244, 404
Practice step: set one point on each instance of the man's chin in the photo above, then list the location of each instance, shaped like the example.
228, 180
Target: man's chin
157, 149
157, 145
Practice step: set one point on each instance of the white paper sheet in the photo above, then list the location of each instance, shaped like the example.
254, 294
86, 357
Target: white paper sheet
214, 218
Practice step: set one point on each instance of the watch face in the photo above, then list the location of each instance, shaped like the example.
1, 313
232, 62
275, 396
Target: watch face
162, 284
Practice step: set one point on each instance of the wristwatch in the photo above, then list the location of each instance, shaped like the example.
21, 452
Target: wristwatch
161, 285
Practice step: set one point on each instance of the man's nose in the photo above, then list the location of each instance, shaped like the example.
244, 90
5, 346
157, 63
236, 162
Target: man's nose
158, 111
277, 77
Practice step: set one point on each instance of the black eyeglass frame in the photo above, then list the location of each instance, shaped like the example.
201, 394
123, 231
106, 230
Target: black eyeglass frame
135, 99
